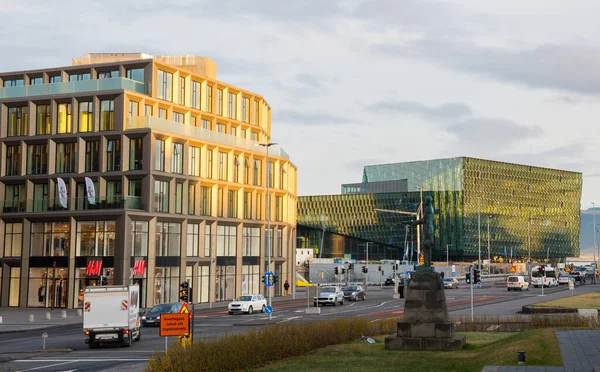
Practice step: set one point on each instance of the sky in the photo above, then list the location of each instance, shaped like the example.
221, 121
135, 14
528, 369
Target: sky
360, 82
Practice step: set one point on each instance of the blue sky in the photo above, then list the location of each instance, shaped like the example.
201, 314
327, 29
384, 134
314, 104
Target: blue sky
362, 82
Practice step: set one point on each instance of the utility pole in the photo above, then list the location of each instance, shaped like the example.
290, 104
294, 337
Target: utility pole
448, 254
489, 260
594, 231
479, 227
322, 234
419, 213
472, 277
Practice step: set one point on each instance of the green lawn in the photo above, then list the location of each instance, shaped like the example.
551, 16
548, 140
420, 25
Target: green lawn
583, 301
483, 348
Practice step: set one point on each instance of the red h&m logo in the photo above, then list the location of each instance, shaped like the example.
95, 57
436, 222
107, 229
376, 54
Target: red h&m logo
94, 268
140, 267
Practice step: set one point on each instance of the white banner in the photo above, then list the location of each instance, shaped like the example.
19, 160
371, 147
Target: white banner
62, 192
90, 191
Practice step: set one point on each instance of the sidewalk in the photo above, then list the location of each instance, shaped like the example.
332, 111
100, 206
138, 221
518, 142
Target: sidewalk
17, 319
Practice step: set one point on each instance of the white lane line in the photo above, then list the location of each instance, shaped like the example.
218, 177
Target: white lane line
48, 366
69, 360
288, 319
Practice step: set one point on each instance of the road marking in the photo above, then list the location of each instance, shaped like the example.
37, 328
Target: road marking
288, 319
69, 360
43, 367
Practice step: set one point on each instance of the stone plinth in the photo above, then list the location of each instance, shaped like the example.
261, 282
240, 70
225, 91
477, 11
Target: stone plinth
425, 324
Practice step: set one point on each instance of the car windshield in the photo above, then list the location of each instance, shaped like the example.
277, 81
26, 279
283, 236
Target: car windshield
328, 289
513, 279
244, 298
448, 280
163, 308
351, 288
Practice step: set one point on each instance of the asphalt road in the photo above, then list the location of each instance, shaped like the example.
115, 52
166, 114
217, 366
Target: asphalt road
22, 351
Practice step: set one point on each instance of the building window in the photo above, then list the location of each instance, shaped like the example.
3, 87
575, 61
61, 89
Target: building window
86, 117
209, 102
96, 238
179, 198
254, 136
108, 74
194, 163
232, 204
64, 118
256, 113
206, 124
196, 95
65, 157
243, 133
114, 193
49, 239
177, 158
113, 155
251, 242
37, 159
159, 157
13, 239
209, 163
13, 160
278, 208
165, 85
79, 77
191, 199
193, 240
232, 106
134, 108
177, 117
245, 109
161, 196
14, 286
279, 243
207, 240
181, 90
270, 175
136, 74
36, 81
42, 119
206, 201
226, 241
14, 83
14, 198
223, 166
247, 205
168, 239
281, 177
40, 197
220, 102
18, 121
136, 153
236, 168
220, 202
259, 206
220, 128
233, 131
148, 110
139, 238
246, 171
107, 115
92, 162
56, 79
257, 174
162, 113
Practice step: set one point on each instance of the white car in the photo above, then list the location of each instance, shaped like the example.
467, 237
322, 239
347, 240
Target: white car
329, 295
516, 283
564, 278
450, 283
248, 304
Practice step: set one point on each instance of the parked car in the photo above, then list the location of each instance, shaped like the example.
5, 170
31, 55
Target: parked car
152, 317
563, 278
248, 304
354, 293
578, 277
390, 280
329, 295
450, 283
516, 283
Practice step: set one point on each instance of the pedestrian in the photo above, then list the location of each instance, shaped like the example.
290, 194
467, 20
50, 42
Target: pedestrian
442, 275
286, 287
401, 286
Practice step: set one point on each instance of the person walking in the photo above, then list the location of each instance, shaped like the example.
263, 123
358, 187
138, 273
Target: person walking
286, 287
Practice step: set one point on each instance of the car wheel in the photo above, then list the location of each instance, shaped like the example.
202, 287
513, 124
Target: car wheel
364, 296
314, 304
508, 289
127, 341
263, 309
342, 302
231, 313
334, 303
250, 311
139, 335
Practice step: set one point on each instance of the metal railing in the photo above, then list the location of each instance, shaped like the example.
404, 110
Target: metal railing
73, 204
73, 87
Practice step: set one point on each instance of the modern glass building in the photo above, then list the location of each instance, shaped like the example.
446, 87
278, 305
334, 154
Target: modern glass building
528, 211
140, 169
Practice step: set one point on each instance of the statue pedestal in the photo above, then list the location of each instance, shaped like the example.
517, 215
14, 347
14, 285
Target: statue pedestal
425, 324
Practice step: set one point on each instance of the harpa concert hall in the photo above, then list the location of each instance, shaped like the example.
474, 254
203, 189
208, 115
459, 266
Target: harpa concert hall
140, 169
508, 212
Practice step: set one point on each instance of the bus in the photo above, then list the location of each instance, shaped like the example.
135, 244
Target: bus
549, 278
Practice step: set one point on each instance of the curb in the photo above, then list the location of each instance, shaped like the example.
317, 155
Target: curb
528, 309
44, 328
13, 355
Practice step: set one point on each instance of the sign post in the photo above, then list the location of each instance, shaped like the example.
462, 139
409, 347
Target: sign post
174, 325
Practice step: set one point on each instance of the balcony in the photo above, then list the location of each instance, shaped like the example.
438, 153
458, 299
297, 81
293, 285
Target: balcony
73, 204
202, 134
73, 87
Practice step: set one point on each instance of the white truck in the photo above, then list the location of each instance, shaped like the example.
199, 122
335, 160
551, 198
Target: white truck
111, 315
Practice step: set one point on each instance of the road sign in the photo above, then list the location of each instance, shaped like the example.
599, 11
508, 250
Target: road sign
269, 282
568, 269
174, 324
184, 309
513, 269
571, 284
268, 310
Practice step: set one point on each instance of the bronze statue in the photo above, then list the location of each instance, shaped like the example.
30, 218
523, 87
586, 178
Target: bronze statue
427, 222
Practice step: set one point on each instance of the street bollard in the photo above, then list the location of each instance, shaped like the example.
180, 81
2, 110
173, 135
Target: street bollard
521, 357
44, 337
0, 320
79, 312
31, 318
48, 316
63, 313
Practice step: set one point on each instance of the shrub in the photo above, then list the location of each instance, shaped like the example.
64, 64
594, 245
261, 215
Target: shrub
258, 347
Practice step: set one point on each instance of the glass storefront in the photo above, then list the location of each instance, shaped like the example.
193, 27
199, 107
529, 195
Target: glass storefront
49, 239
48, 287
96, 238
166, 285
13, 286
250, 279
225, 283
82, 281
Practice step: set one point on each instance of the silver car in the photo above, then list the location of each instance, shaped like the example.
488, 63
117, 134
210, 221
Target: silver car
329, 295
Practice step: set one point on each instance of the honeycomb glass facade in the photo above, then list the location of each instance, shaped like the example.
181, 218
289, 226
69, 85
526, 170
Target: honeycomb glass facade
527, 210
114, 166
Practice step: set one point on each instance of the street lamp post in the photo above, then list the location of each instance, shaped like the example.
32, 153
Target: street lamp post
489, 259
479, 229
268, 245
594, 248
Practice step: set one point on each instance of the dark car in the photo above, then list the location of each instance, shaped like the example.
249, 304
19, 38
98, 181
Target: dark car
152, 317
389, 280
578, 277
354, 293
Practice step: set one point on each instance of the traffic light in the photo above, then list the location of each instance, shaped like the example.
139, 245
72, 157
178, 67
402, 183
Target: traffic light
343, 270
477, 276
262, 279
541, 269
379, 268
351, 266
275, 278
364, 269
336, 271
184, 291
104, 281
395, 267
468, 277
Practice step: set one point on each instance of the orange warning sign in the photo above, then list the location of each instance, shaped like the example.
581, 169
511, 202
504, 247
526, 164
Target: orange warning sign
174, 325
513, 269
184, 309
